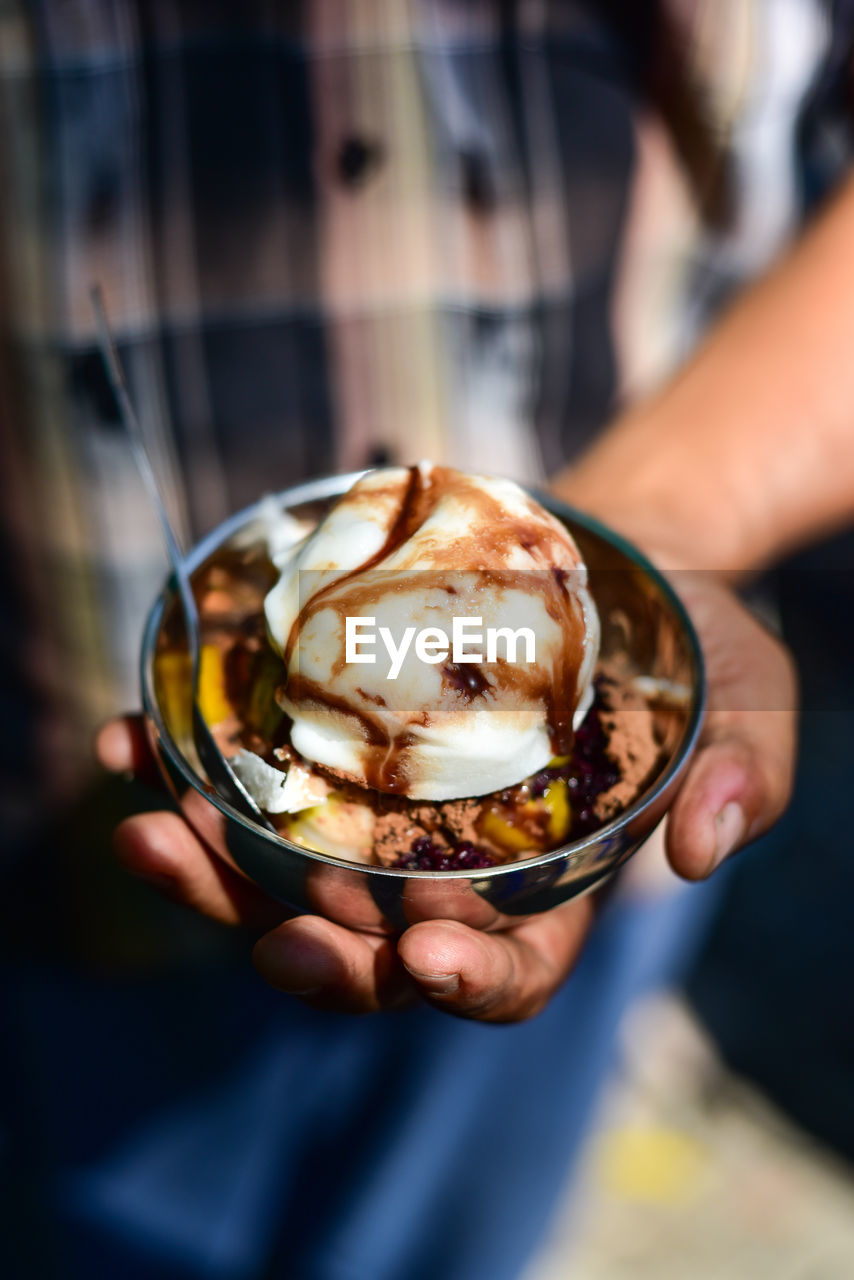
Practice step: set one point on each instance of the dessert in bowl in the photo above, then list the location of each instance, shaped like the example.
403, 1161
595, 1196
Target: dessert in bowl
410, 776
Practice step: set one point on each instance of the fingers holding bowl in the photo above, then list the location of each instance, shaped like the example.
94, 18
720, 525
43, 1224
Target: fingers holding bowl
122, 746
164, 850
332, 967
489, 977
740, 780
183, 857
496, 977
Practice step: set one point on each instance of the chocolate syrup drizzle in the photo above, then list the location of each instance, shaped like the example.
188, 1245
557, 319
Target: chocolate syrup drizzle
387, 745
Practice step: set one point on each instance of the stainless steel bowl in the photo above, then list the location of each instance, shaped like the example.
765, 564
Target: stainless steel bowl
641, 617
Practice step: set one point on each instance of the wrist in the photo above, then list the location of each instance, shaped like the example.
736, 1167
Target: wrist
678, 509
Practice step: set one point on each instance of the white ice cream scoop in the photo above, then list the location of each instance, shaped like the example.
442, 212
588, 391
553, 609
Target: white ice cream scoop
438, 633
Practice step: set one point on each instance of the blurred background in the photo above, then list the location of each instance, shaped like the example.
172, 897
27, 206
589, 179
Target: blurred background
332, 236
693, 1167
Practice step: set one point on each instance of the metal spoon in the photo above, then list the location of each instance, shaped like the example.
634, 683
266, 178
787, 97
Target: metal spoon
214, 763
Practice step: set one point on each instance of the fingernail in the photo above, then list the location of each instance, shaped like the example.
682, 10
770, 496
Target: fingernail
438, 984
730, 828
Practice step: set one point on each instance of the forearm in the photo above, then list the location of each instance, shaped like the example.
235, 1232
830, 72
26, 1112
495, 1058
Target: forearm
749, 451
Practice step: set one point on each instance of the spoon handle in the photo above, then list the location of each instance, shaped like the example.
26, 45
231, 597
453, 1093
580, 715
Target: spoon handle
213, 761
118, 383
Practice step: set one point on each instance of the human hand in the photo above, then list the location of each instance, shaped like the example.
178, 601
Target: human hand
496, 977
740, 779
736, 787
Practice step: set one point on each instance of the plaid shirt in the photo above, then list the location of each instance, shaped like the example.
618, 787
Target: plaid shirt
335, 233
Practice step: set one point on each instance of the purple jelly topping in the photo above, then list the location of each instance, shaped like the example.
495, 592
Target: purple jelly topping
426, 855
589, 772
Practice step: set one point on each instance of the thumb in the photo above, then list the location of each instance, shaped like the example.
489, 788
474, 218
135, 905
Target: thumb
737, 788
741, 778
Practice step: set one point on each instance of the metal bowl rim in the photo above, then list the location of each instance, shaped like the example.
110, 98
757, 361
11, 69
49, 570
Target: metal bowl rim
333, 486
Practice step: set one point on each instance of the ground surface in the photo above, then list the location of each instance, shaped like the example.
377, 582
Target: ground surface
693, 1174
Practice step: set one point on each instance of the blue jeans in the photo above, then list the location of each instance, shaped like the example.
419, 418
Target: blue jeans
206, 1127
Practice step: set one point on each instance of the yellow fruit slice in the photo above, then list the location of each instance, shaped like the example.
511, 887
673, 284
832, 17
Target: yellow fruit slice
556, 800
172, 686
213, 703
495, 827
516, 828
